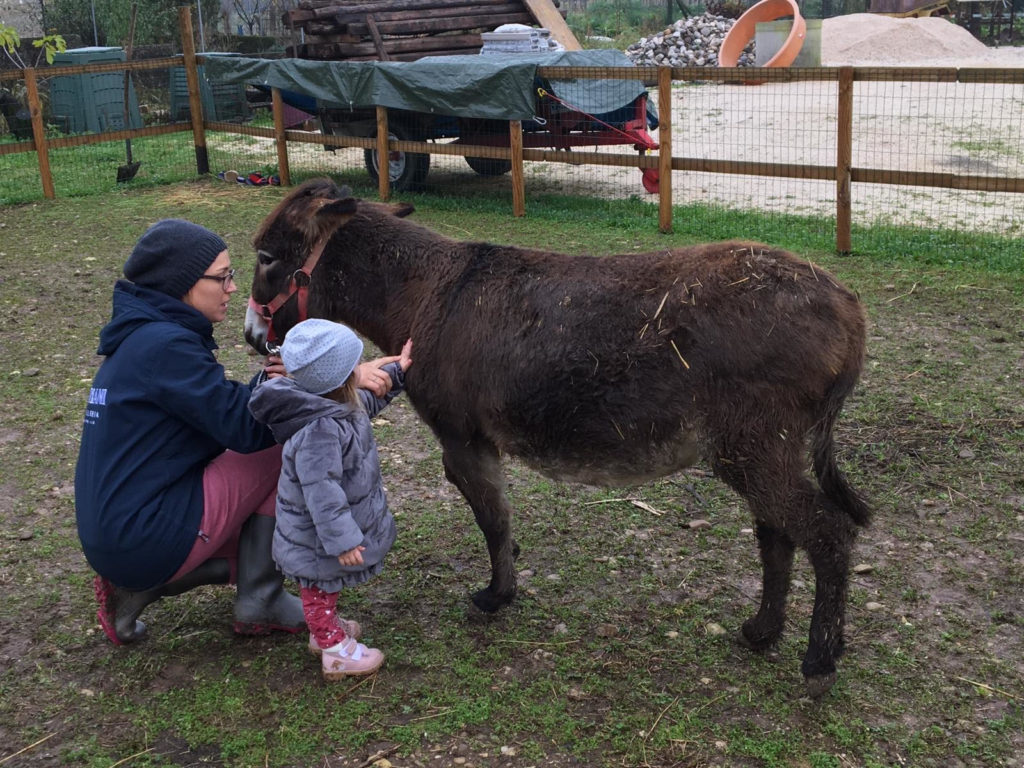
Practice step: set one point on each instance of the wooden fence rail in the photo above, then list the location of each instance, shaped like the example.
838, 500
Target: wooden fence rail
842, 171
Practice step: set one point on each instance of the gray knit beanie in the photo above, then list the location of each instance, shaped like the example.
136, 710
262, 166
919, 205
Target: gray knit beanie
320, 355
172, 255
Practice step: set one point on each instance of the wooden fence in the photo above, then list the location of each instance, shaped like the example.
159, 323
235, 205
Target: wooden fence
842, 173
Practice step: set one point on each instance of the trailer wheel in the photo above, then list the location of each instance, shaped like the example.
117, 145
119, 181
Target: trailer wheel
406, 170
489, 166
487, 132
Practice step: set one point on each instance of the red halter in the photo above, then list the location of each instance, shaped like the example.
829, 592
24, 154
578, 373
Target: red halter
298, 284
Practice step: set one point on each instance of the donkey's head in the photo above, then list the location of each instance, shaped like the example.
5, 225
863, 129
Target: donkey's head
288, 246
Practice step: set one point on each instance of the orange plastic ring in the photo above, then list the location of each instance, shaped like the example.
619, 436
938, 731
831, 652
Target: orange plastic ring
745, 28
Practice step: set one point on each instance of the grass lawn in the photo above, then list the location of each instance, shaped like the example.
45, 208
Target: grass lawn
620, 649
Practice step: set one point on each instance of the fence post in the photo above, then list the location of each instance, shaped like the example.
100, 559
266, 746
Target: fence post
280, 139
383, 155
39, 133
665, 149
515, 141
844, 159
195, 101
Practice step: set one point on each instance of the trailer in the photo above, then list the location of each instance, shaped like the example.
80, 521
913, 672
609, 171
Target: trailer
464, 100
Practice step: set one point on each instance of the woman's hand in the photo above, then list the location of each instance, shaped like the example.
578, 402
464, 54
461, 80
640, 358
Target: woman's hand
370, 376
353, 557
274, 368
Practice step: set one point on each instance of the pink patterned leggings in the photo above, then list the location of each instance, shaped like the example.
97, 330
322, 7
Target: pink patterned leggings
322, 616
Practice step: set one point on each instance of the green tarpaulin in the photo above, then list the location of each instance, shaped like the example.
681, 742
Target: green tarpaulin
501, 87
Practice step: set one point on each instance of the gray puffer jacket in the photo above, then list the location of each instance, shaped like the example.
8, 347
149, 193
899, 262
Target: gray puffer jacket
330, 497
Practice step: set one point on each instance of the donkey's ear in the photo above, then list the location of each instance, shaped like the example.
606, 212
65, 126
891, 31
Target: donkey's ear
401, 210
345, 207
332, 215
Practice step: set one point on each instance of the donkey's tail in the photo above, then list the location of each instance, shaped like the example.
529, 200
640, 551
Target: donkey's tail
836, 491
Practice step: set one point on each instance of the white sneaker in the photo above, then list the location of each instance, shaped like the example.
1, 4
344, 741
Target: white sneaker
352, 629
349, 658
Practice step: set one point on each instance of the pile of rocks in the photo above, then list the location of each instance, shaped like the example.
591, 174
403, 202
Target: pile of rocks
692, 42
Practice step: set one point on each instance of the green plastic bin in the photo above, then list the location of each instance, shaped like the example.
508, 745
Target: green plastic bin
224, 102
93, 101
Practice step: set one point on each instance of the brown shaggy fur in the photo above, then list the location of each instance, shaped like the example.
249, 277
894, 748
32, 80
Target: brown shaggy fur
609, 370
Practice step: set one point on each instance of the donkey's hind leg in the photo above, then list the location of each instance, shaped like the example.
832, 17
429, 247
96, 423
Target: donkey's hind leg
770, 475
475, 469
828, 542
768, 495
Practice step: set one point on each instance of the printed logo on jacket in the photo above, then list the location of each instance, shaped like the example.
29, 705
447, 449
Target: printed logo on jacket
97, 396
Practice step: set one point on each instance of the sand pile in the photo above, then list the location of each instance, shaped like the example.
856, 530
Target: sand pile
870, 39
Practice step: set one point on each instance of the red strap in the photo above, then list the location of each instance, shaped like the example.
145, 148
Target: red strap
296, 285
547, 94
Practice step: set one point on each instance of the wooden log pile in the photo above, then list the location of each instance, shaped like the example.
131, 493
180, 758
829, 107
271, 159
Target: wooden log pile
405, 30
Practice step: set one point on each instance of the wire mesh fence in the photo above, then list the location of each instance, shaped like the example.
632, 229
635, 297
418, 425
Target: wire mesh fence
948, 130
924, 144
951, 130
151, 101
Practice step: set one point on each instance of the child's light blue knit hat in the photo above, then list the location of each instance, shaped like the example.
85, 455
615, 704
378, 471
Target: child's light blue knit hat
320, 355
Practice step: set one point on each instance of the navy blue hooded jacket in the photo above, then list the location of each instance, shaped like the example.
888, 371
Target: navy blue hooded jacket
160, 409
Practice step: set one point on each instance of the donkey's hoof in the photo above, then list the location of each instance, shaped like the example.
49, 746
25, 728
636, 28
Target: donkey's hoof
756, 639
819, 685
768, 652
489, 602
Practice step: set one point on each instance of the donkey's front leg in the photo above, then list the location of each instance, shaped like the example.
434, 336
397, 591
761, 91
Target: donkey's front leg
475, 469
763, 630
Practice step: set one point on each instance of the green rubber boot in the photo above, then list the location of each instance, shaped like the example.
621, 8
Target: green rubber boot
119, 608
263, 604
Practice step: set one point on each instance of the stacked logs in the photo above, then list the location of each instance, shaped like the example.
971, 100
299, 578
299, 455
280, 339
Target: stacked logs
398, 30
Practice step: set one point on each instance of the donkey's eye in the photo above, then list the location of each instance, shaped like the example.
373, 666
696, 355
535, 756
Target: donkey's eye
265, 258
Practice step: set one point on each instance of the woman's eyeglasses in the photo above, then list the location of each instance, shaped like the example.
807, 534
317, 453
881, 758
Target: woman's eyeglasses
224, 279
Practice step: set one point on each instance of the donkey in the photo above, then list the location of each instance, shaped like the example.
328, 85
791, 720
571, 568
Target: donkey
610, 371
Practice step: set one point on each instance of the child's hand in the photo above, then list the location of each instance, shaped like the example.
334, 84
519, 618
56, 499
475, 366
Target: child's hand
405, 359
371, 376
353, 557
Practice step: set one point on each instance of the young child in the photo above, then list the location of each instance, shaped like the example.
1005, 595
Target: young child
333, 524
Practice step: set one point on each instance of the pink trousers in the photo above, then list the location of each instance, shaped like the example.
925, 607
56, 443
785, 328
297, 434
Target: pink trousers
235, 486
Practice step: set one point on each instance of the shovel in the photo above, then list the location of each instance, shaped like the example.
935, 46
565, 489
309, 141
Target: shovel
127, 171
